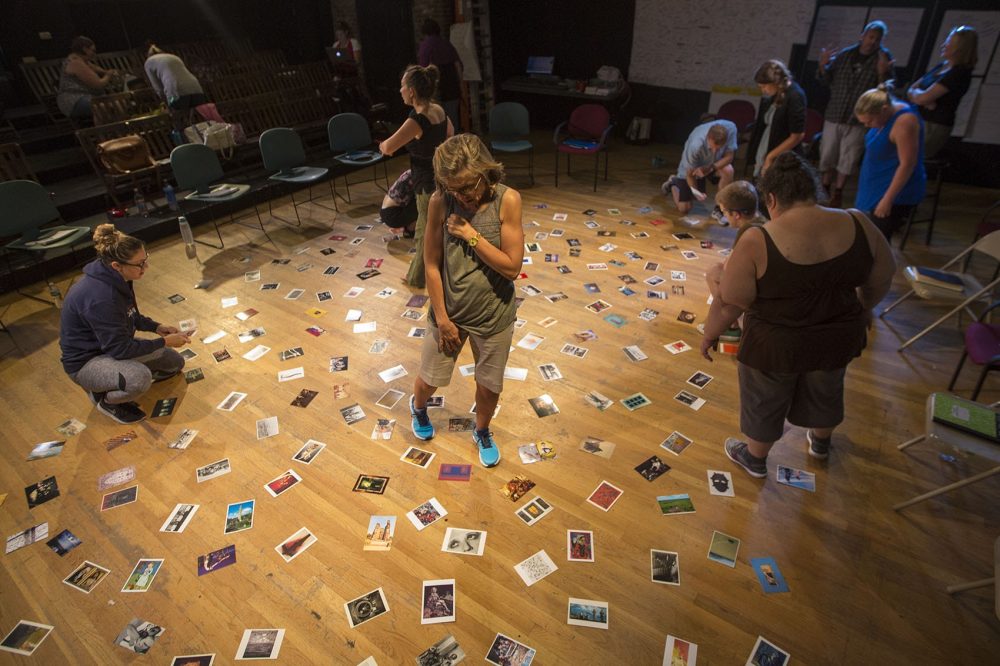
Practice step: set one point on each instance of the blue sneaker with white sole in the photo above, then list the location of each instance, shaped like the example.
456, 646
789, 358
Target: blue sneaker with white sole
420, 423
489, 452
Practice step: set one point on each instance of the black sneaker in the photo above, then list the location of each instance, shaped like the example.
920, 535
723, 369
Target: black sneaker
124, 413
161, 376
818, 448
739, 453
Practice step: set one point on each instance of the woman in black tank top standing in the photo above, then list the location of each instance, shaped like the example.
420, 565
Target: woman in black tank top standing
807, 282
425, 129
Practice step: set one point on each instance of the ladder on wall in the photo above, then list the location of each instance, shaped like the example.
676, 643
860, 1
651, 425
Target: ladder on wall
481, 96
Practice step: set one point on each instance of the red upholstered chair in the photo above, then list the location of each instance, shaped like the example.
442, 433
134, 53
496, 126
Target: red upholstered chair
813, 133
585, 133
740, 112
982, 345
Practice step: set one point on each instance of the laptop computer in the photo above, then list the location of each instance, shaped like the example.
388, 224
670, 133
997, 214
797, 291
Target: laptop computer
338, 56
541, 66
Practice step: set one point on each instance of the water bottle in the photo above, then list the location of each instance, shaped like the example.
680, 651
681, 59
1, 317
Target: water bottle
171, 195
140, 203
55, 294
189, 247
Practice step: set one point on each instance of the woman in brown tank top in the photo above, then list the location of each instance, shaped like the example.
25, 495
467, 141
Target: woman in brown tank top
807, 283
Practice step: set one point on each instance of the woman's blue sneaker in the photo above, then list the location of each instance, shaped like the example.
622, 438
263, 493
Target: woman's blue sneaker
489, 452
420, 422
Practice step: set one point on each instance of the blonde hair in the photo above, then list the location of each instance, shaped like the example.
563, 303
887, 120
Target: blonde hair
968, 44
466, 152
873, 101
776, 73
739, 196
112, 245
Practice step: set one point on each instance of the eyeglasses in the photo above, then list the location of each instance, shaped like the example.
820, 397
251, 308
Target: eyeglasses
465, 192
144, 264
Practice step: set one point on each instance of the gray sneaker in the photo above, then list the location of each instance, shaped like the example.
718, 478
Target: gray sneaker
818, 448
739, 453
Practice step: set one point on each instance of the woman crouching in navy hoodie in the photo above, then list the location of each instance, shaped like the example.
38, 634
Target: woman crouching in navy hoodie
99, 320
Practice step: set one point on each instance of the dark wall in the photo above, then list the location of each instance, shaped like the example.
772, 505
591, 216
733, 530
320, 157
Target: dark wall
581, 36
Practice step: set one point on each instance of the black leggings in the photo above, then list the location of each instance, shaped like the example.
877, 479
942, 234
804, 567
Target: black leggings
897, 217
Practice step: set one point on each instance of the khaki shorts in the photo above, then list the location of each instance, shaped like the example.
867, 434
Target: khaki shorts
805, 399
490, 354
841, 147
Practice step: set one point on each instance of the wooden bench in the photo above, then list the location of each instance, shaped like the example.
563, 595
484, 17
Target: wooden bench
244, 85
125, 106
42, 76
14, 165
156, 130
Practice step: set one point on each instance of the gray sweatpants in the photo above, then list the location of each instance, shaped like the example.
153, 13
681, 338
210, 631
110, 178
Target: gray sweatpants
124, 381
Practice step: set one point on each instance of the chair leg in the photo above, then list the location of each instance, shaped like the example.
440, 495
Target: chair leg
557, 168
896, 302
958, 369
906, 231
222, 243
607, 156
597, 168
982, 378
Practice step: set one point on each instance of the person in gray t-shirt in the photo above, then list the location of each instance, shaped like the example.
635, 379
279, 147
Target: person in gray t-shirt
172, 80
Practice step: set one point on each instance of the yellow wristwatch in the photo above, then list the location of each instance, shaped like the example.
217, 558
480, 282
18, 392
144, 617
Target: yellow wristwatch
474, 241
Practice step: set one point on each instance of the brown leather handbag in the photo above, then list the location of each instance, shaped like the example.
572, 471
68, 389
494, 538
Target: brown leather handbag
125, 154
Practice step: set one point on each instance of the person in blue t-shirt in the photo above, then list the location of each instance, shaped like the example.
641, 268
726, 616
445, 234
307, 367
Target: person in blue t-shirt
708, 155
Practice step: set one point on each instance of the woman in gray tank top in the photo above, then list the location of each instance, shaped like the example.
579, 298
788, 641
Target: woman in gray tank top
473, 249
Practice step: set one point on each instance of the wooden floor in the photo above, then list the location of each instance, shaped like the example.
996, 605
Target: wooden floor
866, 583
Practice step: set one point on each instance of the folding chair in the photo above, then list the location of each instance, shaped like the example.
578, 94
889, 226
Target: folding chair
509, 125
27, 209
971, 288
196, 167
281, 149
351, 143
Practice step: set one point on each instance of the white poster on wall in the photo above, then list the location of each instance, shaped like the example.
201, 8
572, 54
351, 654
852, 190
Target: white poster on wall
984, 126
465, 43
836, 27
903, 24
987, 24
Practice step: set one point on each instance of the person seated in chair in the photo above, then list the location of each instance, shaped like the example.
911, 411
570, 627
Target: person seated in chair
81, 79
708, 155
97, 333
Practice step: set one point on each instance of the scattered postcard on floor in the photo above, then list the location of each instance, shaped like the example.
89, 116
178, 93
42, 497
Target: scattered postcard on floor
796, 478
426, 514
438, 602
604, 496
366, 607
460, 541
25, 637
142, 575
506, 651
720, 483
179, 518
309, 451
724, 549
678, 652
766, 652
535, 568
533, 511
587, 613
579, 546
295, 545
260, 644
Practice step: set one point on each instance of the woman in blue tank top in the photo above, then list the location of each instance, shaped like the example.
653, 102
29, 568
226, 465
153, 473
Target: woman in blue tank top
892, 180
